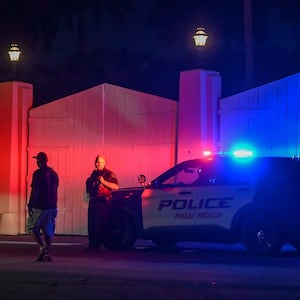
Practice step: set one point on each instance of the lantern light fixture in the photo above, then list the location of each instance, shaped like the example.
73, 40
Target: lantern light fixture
200, 37
14, 53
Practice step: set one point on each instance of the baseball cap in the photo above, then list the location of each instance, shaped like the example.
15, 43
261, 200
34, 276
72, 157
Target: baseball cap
42, 156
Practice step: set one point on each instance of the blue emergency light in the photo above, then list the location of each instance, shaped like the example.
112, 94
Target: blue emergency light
238, 153
242, 153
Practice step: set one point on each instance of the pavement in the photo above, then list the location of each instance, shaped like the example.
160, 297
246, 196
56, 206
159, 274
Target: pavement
108, 275
72, 273
23, 242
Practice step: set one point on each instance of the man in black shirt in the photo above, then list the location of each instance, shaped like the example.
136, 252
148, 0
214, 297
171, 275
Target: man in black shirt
42, 206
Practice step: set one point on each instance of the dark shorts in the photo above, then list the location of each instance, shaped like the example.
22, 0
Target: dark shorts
42, 219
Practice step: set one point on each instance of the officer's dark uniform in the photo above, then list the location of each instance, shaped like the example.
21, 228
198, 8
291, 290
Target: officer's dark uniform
98, 210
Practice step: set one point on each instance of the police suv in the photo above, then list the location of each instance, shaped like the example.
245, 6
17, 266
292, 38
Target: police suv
255, 202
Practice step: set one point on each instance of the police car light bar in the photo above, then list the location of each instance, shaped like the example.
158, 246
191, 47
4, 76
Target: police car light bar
242, 153
207, 153
238, 153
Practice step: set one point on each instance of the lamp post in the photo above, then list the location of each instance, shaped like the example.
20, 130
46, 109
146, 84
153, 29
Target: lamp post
200, 37
14, 56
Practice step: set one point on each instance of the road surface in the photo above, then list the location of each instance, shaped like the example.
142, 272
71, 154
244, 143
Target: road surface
187, 271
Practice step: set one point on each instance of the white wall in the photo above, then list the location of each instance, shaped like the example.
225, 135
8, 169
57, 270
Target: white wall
135, 131
267, 117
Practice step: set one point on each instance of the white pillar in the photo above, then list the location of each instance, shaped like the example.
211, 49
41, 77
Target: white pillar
198, 122
16, 99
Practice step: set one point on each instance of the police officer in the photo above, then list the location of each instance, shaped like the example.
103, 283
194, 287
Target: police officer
99, 186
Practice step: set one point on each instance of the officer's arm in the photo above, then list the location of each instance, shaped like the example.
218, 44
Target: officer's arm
111, 185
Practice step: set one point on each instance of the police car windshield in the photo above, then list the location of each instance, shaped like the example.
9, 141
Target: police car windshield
224, 170
185, 173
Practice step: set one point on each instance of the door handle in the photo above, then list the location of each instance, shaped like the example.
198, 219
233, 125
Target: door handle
184, 193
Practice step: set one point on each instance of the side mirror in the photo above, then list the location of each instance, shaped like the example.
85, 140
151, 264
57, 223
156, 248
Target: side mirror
142, 179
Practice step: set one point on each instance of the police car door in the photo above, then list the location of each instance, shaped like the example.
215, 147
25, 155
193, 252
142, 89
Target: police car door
223, 192
171, 202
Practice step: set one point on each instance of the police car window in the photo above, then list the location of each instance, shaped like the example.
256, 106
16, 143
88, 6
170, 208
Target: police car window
234, 174
186, 176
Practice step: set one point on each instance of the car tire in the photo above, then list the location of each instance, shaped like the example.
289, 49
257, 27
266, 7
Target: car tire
296, 245
122, 235
261, 236
164, 243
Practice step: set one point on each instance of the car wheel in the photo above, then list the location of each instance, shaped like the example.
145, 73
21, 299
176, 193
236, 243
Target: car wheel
122, 235
164, 243
261, 236
296, 245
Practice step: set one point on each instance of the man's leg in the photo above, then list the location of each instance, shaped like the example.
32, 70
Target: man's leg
93, 220
33, 227
103, 222
37, 237
48, 229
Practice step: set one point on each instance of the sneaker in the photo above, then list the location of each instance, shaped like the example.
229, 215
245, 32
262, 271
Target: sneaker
47, 257
42, 254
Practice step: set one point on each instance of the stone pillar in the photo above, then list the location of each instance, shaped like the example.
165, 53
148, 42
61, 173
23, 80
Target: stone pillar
198, 121
16, 99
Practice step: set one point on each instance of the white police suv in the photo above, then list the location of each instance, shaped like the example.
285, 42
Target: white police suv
255, 202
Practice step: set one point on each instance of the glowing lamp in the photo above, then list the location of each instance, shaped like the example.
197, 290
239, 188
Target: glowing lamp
200, 37
14, 53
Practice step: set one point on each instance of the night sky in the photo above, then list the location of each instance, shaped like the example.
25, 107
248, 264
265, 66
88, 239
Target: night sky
71, 45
